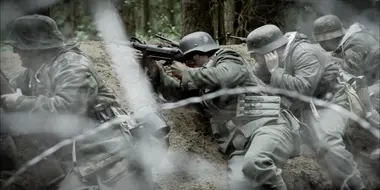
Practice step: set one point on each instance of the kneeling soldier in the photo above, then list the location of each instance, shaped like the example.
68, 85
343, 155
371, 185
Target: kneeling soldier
253, 130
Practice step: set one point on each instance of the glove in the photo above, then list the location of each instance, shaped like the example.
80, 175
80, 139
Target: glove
10, 100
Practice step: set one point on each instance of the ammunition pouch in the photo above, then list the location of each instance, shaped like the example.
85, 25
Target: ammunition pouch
347, 78
115, 152
103, 112
364, 93
95, 165
254, 107
98, 155
354, 101
357, 93
252, 112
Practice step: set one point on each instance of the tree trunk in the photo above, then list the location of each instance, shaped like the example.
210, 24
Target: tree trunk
238, 31
128, 16
146, 16
229, 18
74, 15
171, 14
221, 31
215, 19
196, 16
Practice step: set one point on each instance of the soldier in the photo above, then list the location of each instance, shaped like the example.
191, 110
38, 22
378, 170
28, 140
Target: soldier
291, 62
258, 141
359, 49
60, 79
360, 52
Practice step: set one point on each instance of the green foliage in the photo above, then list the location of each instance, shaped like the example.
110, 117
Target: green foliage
86, 30
160, 20
163, 24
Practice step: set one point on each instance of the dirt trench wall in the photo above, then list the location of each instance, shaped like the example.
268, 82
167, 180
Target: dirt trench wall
198, 164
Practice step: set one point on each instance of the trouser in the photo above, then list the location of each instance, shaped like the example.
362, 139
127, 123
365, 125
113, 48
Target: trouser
130, 178
374, 119
325, 136
375, 98
260, 167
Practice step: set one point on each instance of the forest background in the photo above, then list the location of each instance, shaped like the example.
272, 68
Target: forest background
176, 18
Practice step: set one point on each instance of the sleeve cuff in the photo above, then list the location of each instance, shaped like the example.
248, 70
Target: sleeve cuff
276, 73
186, 82
20, 99
16, 104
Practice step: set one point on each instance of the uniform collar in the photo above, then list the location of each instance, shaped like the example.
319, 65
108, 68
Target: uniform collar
291, 36
352, 30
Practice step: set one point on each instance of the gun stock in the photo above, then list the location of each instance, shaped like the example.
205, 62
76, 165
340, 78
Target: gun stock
156, 52
347, 77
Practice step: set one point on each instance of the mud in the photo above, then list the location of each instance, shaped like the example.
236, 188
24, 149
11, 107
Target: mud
194, 161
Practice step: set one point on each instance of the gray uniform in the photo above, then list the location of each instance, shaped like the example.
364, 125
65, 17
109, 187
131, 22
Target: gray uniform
258, 141
361, 53
66, 82
306, 69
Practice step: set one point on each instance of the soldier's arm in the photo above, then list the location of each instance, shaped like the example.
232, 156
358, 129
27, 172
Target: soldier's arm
354, 54
262, 72
167, 81
168, 87
226, 74
308, 72
21, 81
74, 87
361, 53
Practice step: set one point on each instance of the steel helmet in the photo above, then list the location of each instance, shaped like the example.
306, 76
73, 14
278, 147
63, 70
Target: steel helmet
34, 32
328, 27
197, 41
265, 39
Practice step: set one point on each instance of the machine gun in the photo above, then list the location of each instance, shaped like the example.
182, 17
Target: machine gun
242, 40
157, 52
169, 41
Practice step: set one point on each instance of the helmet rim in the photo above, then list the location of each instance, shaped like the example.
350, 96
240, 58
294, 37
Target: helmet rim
53, 38
329, 35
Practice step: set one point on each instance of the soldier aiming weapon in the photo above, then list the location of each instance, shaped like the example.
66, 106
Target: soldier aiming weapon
157, 52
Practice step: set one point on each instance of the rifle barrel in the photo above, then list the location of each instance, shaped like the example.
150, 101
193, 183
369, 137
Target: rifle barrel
171, 42
236, 37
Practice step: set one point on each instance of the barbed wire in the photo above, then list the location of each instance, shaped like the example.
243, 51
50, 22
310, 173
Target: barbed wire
63, 143
167, 106
362, 122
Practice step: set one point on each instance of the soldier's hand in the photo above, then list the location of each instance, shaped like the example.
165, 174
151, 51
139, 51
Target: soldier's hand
137, 54
9, 100
177, 69
271, 60
151, 68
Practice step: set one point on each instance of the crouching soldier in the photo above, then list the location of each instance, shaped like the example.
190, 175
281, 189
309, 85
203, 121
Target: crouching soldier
254, 131
60, 79
359, 49
360, 52
291, 62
